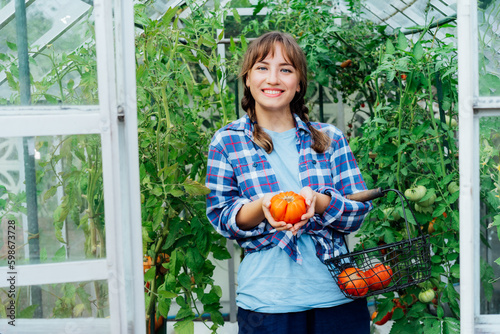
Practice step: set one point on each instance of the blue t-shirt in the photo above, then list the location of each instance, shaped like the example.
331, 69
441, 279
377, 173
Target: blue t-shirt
269, 281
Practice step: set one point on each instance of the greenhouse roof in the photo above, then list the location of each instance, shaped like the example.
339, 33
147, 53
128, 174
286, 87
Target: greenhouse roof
55, 18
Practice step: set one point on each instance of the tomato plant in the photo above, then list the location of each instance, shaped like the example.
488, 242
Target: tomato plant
353, 282
173, 141
378, 277
405, 147
288, 207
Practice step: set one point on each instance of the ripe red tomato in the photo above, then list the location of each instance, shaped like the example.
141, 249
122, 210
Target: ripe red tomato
384, 319
288, 207
378, 277
352, 281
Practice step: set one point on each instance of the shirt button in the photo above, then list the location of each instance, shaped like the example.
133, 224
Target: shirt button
254, 164
314, 162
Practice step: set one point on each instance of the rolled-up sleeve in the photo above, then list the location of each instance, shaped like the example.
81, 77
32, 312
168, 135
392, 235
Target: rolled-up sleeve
224, 200
342, 214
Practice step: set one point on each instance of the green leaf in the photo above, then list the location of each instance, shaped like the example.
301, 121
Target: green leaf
258, 8
431, 326
59, 236
451, 326
60, 255
436, 259
184, 327
194, 259
167, 17
150, 274
455, 270
389, 48
28, 312
185, 281
236, 15
145, 235
164, 306
210, 298
12, 46
195, 188
49, 193
389, 236
418, 51
176, 192
402, 41
167, 294
220, 253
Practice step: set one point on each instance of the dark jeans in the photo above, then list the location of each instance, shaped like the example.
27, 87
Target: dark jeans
350, 318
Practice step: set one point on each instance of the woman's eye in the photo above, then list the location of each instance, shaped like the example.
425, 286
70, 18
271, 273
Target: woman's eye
286, 70
261, 68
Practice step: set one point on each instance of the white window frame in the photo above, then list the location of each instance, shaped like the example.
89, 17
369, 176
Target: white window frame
115, 120
471, 108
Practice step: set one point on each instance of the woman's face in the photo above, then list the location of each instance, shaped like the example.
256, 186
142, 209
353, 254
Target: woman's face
273, 82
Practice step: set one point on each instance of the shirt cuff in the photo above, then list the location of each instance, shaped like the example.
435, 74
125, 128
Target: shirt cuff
336, 207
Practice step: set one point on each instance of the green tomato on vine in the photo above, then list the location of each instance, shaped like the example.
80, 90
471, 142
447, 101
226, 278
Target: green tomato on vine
415, 194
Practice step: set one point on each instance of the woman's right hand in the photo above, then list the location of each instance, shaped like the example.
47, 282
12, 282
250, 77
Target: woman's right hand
279, 226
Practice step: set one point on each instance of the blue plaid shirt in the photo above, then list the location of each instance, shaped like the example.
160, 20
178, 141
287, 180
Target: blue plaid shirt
238, 173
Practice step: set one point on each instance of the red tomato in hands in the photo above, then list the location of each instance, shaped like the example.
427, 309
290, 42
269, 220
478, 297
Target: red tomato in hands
378, 277
288, 207
352, 281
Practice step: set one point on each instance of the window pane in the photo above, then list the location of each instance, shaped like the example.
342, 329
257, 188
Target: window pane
62, 59
51, 191
67, 300
490, 214
489, 47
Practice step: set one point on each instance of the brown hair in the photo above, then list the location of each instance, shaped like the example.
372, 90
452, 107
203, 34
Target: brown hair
257, 51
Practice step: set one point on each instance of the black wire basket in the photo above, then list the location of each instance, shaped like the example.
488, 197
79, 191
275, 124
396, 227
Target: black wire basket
385, 268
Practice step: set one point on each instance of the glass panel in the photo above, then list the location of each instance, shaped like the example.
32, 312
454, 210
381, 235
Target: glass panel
489, 47
490, 214
61, 50
51, 191
66, 300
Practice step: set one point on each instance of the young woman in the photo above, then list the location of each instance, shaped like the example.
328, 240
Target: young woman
283, 284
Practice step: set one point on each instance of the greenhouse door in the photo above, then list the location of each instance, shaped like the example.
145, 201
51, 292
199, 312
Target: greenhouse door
70, 245
479, 121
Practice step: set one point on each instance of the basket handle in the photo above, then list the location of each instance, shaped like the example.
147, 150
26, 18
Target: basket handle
366, 195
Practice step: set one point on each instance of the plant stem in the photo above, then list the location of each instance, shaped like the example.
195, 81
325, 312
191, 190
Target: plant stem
433, 121
400, 116
154, 288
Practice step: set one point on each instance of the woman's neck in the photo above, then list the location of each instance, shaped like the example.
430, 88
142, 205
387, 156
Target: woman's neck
276, 121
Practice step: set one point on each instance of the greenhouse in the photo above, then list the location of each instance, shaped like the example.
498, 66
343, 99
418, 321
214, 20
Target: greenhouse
119, 211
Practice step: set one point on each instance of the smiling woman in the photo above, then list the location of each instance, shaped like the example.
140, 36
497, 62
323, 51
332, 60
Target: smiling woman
274, 149
273, 83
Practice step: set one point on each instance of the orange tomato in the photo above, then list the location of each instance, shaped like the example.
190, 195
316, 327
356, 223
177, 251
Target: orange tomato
378, 277
288, 207
352, 281
346, 63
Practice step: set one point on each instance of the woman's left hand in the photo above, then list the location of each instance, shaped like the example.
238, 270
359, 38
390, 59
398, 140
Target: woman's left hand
310, 197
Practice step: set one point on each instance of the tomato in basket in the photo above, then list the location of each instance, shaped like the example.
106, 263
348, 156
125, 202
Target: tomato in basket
353, 282
378, 277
